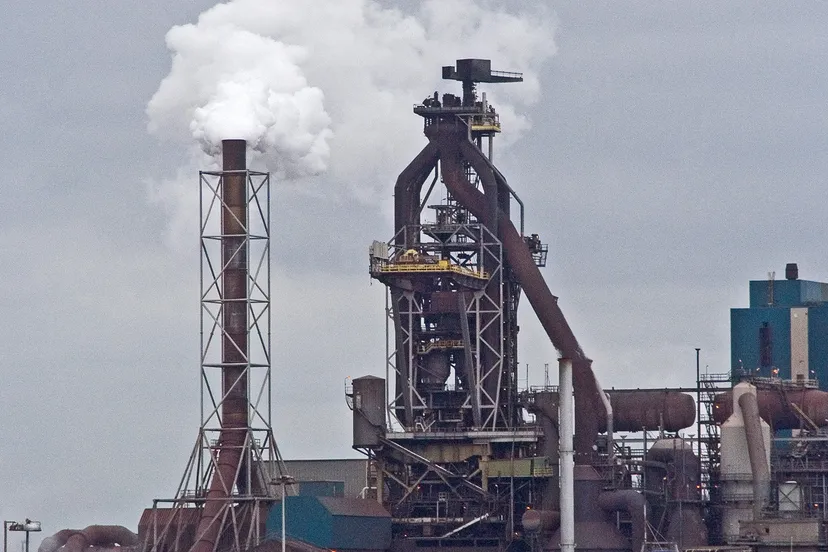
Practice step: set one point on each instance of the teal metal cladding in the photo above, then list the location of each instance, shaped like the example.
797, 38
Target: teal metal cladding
760, 336
333, 523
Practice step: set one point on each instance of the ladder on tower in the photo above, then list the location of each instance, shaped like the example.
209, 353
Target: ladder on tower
710, 385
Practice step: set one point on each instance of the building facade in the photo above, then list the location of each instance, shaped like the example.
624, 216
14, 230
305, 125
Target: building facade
784, 332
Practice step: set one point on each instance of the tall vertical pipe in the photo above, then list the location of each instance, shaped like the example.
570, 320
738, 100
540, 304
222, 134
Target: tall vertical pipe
234, 290
407, 192
698, 414
566, 417
234, 352
605, 400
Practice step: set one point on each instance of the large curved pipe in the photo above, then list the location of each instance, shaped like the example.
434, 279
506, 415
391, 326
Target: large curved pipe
588, 406
756, 453
634, 504
72, 540
407, 212
408, 188
775, 407
501, 181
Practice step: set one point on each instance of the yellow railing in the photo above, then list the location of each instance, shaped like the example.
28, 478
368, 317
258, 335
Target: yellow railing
406, 267
440, 344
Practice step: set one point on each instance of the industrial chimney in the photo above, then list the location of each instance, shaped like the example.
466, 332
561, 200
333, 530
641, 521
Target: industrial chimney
228, 481
791, 271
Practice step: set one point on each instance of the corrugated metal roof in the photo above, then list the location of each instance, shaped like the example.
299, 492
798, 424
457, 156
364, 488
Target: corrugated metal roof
357, 507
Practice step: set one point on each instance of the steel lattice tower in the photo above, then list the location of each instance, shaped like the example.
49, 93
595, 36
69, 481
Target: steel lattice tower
227, 488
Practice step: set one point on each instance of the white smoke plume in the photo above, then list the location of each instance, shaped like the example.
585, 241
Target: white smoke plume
316, 85
229, 82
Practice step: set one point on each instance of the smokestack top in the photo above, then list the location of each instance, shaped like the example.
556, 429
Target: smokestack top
234, 155
791, 271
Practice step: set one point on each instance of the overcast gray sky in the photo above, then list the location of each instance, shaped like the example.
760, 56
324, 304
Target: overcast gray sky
676, 151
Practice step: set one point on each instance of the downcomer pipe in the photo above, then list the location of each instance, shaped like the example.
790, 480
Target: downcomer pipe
453, 150
566, 417
756, 453
234, 352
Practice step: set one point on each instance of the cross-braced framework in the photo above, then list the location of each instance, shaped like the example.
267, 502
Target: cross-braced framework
227, 508
218, 256
460, 270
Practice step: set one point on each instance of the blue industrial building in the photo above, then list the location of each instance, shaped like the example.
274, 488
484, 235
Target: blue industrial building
333, 523
784, 332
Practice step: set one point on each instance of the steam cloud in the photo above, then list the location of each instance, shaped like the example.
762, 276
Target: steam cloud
234, 83
257, 69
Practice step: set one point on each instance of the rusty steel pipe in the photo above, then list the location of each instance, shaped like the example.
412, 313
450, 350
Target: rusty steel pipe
408, 188
407, 191
234, 351
588, 406
104, 536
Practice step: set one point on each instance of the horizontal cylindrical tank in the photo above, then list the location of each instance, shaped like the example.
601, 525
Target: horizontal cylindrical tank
369, 411
635, 409
775, 406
